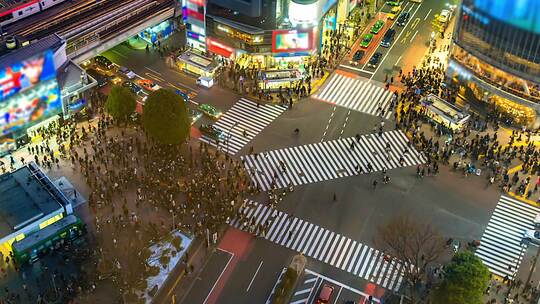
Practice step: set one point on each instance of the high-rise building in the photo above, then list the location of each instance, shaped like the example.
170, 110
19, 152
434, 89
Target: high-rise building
495, 57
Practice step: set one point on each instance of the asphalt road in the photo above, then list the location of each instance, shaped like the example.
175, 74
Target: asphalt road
459, 207
410, 43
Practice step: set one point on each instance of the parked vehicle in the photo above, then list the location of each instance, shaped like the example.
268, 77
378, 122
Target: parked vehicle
388, 38
374, 61
101, 79
103, 62
358, 55
325, 294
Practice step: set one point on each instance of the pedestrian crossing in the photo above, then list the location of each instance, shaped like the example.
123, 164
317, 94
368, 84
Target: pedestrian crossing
320, 244
304, 289
331, 159
241, 123
356, 94
501, 248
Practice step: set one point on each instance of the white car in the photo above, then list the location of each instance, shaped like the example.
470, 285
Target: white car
126, 72
532, 236
537, 220
444, 17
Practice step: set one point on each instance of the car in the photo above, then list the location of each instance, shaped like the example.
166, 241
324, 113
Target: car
101, 79
132, 86
126, 72
444, 17
366, 40
210, 111
358, 55
403, 18
103, 62
212, 132
388, 38
394, 3
394, 12
374, 61
194, 115
376, 28
537, 220
532, 236
148, 85
325, 294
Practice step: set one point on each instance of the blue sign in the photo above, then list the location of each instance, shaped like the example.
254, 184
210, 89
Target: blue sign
524, 14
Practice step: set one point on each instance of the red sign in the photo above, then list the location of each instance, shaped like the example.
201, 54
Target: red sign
219, 48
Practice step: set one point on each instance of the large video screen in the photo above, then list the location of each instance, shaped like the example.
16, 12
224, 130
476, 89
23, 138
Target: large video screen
521, 13
30, 107
26, 74
292, 41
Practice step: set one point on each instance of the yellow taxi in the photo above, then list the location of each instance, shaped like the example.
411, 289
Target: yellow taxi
394, 12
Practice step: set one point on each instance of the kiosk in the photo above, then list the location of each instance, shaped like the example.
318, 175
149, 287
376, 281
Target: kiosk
445, 113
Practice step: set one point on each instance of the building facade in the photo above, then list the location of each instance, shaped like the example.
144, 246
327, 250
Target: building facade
271, 33
495, 57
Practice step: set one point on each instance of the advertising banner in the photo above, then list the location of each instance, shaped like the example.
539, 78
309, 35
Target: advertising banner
292, 41
524, 14
29, 93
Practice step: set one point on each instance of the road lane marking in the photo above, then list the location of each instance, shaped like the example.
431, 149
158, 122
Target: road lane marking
328, 125
253, 278
356, 69
119, 54
392, 46
221, 274
413, 36
150, 75
425, 18
415, 22
345, 124
154, 71
398, 59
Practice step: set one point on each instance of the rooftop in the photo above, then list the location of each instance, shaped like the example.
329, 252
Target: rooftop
9, 57
24, 198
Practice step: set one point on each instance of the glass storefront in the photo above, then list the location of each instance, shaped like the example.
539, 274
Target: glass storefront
157, 33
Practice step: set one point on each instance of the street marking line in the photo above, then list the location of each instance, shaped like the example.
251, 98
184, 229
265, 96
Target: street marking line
392, 46
119, 54
398, 59
341, 285
154, 71
253, 279
413, 36
415, 23
425, 18
356, 69
221, 274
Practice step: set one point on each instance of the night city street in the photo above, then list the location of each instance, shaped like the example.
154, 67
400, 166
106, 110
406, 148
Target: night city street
270, 151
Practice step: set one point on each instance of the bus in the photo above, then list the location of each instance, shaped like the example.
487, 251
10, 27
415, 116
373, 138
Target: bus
52, 237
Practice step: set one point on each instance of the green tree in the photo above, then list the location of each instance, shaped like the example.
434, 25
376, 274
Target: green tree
466, 279
165, 117
121, 103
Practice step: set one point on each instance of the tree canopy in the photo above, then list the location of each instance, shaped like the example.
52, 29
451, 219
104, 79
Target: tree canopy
165, 117
121, 103
466, 279
413, 242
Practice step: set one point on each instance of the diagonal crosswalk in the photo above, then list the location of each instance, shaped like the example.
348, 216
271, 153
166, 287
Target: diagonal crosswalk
500, 248
330, 160
242, 123
320, 244
356, 94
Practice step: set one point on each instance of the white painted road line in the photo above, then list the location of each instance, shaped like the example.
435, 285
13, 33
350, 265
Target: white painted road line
253, 279
397, 39
413, 36
356, 69
221, 274
425, 18
153, 71
398, 59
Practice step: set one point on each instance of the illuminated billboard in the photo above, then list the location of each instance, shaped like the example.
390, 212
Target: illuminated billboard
30, 93
524, 14
292, 41
25, 74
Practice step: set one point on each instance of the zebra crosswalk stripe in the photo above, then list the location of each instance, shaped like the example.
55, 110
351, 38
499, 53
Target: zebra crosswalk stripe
501, 248
245, 115
356, 94
321, 244
330, 160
